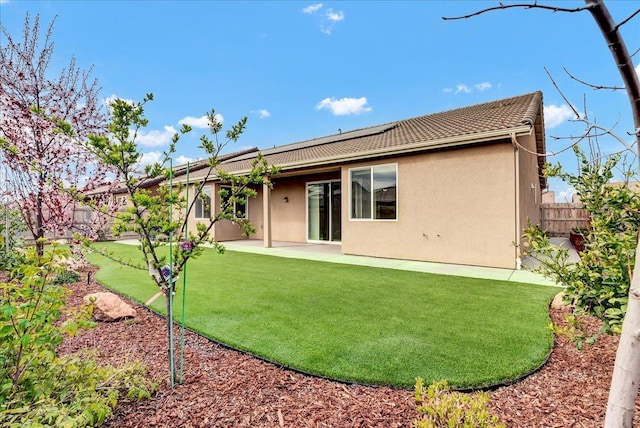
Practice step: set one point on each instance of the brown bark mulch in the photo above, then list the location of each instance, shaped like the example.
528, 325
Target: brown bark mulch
226, 388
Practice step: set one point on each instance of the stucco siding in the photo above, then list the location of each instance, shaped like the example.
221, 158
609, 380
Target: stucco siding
288, 220
454, 206
530, 192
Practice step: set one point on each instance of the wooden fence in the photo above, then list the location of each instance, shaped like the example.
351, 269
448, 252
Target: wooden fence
559, 218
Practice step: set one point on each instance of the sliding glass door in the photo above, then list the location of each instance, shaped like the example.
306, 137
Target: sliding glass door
323, 211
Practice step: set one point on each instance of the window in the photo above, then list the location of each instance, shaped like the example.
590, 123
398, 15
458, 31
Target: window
373, 192
203, 203
122, 203
239, 204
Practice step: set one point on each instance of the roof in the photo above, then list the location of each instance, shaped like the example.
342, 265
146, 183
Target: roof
481, 123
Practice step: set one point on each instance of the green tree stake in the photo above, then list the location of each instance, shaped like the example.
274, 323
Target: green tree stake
172, 372
184, 286
156, 207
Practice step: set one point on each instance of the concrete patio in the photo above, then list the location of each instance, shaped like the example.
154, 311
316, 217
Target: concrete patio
333, 254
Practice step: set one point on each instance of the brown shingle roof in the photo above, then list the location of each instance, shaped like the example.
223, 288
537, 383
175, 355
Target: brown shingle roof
467, 125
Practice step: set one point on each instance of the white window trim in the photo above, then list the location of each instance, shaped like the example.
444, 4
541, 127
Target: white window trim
235, 210
195, 208
371, 167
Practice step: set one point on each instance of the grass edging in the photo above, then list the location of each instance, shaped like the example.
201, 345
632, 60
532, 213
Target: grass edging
315, 375
519, 322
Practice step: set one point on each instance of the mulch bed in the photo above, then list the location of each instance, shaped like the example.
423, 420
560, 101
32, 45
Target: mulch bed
226, 388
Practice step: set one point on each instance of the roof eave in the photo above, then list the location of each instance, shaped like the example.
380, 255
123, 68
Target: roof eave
443, 143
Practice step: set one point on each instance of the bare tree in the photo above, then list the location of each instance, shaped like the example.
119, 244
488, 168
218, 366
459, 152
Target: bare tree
43, 125
626, 373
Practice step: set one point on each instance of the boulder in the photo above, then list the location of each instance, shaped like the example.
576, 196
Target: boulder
558, 301
109, 307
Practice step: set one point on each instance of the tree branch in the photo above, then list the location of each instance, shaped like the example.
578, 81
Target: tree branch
621, 23
533, 5
591, 85
562, 94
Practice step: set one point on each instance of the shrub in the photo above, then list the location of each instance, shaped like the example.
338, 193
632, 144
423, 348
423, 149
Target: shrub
37, 386
598, 284
438, 407
67, 277
11, 260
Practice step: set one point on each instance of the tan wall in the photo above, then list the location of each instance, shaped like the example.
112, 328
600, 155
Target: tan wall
454, 206
289, 219
227, 230
223, 230
530, 192
192, 221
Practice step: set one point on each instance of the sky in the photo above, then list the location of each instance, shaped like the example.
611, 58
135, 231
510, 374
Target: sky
303, 69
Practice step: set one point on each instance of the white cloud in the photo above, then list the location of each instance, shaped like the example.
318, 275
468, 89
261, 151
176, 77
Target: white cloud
344, 106
155, 138
461, 87
328, 19
566, 195
556, 115
313, 8
182, 159
110, 99
199, 122
331, 18
262, 113
334, 16
148, 159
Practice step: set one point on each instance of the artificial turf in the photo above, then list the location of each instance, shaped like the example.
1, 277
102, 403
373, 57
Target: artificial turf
354, 323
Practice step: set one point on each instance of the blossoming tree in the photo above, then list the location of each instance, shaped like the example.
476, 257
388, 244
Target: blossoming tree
165, 209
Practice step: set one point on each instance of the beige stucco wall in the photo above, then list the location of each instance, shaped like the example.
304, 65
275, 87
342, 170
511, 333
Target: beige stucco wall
454, 206
192, 221
530, 192
223, 230
289, 219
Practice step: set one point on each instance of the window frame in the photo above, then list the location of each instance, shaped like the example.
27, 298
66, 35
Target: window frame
206, 190
235, 204
372, 207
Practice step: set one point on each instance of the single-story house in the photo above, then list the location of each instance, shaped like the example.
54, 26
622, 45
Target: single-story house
451, 187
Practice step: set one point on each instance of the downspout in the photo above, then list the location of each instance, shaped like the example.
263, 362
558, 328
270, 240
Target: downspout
516, 160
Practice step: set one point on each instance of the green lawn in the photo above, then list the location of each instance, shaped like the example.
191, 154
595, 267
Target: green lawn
377, 326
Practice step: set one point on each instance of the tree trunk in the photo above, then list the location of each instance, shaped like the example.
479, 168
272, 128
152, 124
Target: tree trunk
626, 370
615, 42
39, 225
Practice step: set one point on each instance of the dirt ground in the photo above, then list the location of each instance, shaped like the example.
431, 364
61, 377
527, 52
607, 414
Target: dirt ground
226, 388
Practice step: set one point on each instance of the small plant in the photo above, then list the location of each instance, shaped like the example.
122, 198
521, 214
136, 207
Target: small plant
575, 330
37, 386
67, 277
598, 283
440, 408
10, 260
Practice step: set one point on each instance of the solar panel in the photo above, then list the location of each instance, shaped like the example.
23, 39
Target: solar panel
343, 136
